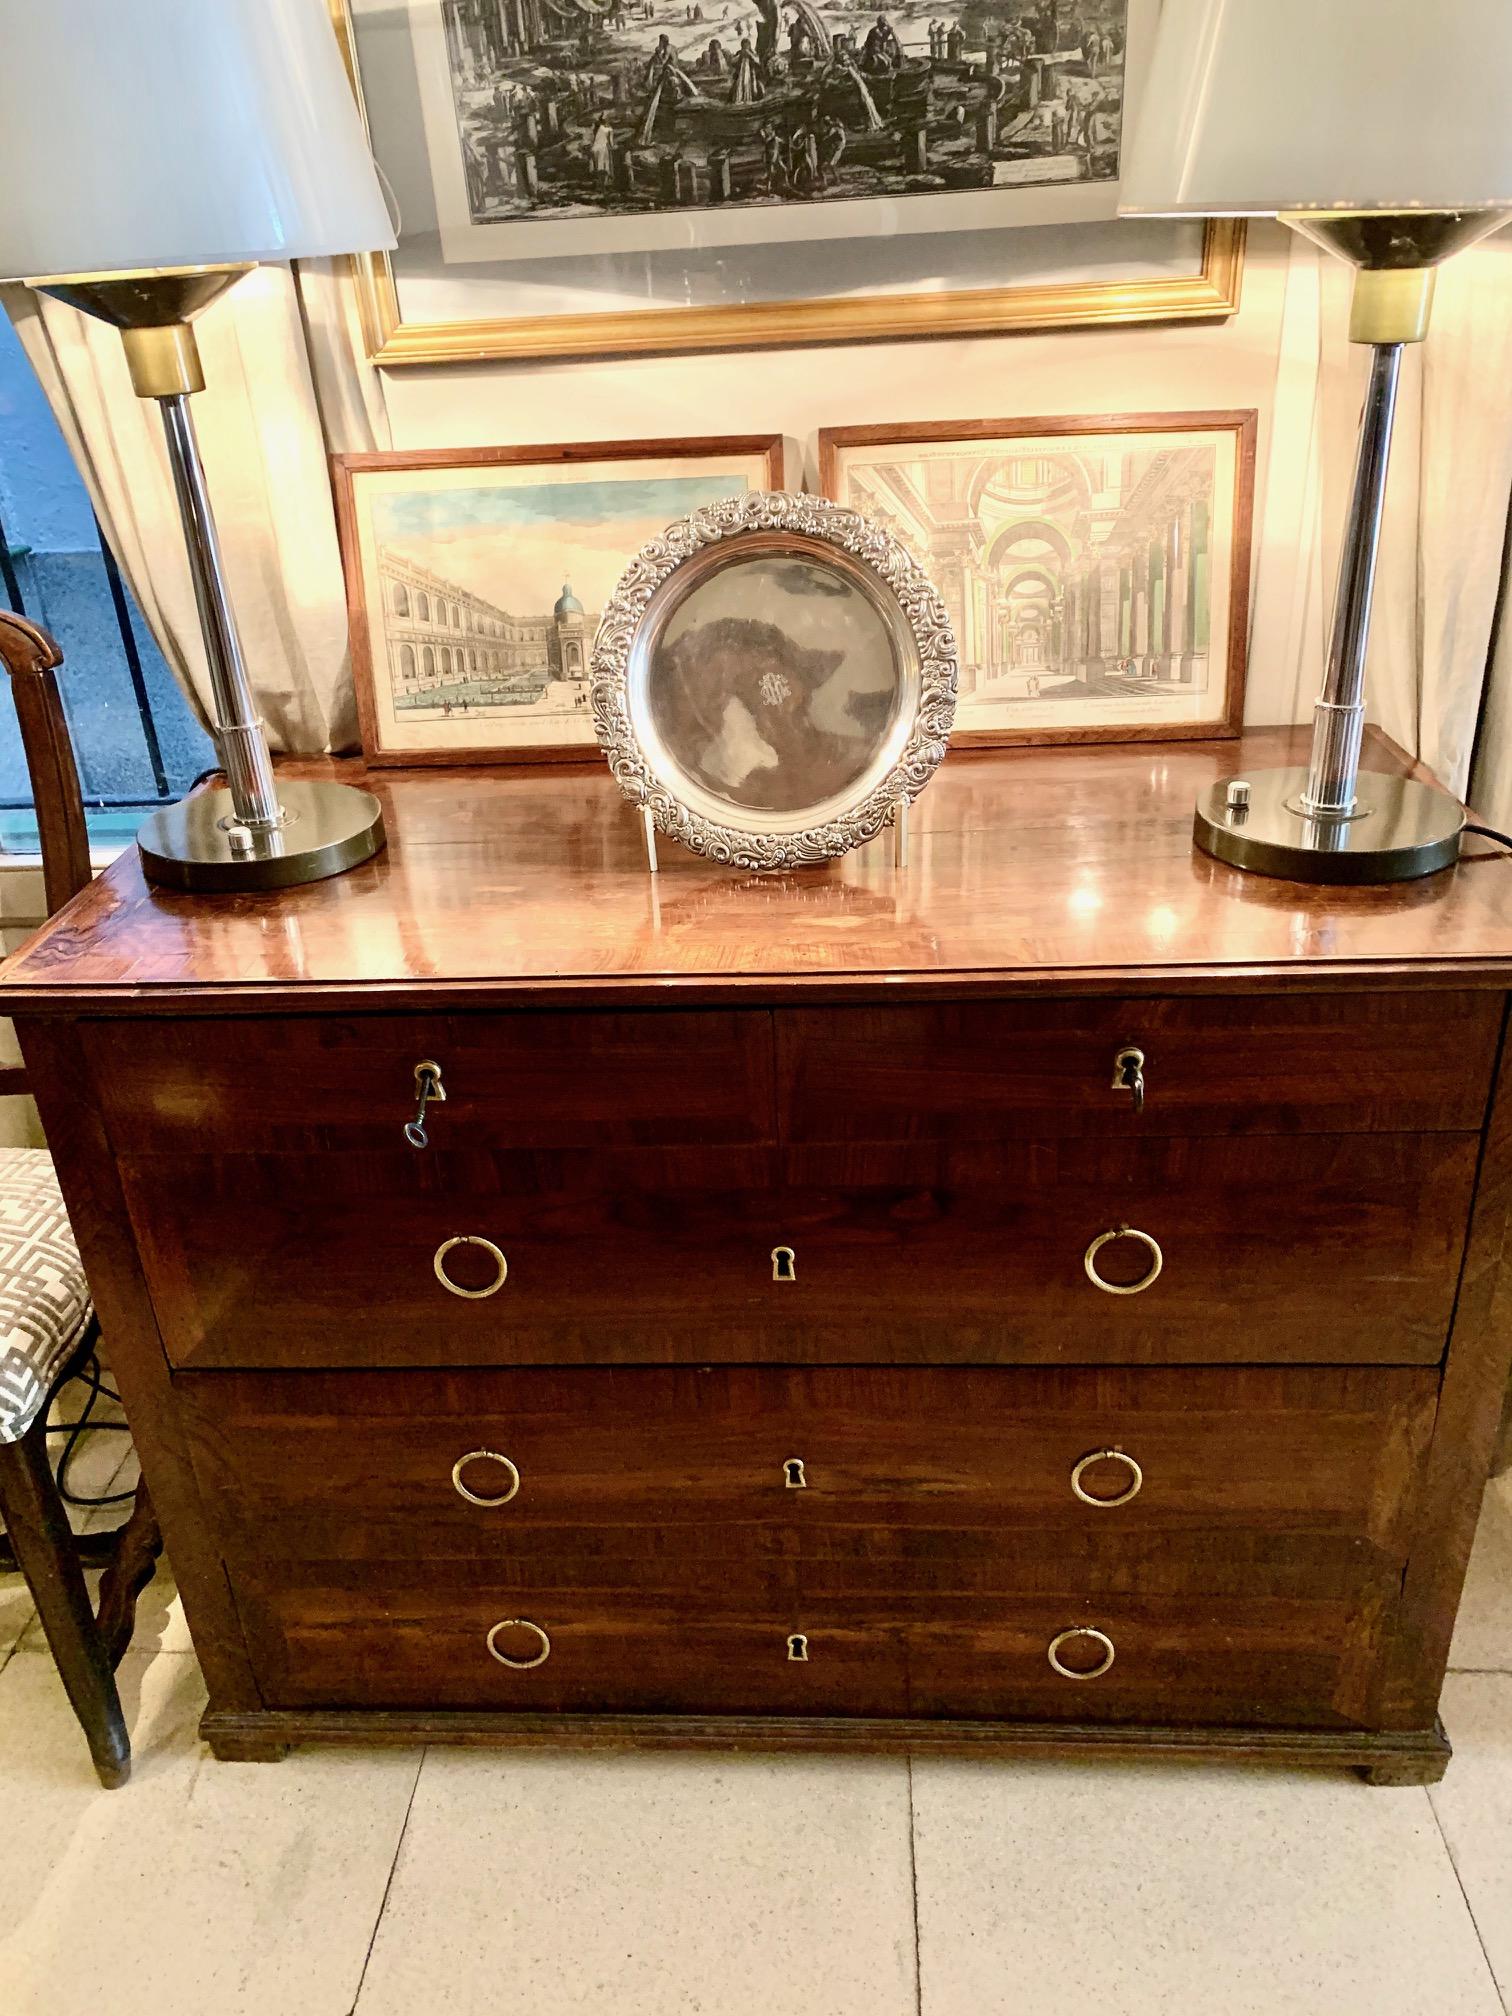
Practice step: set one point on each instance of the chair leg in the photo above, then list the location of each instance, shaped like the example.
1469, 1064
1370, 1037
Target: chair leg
43, 1541
132, 1564
1501, 1458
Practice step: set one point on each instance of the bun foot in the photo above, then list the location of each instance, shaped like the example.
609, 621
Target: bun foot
1400, 1771
246, 1750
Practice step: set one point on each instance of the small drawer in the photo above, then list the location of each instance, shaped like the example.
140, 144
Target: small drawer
1326, 1249
842, 1481
527, 1080
399, 1637
1256, 1064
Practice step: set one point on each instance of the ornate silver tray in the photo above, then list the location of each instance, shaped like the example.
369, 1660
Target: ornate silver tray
772, 678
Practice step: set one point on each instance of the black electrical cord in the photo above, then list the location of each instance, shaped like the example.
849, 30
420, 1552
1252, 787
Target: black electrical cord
94, 1379
1490, 833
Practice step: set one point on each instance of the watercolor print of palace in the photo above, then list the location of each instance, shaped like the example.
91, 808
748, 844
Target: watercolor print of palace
450, 651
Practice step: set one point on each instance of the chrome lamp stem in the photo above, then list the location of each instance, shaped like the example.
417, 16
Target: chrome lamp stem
1339, 716
239, 738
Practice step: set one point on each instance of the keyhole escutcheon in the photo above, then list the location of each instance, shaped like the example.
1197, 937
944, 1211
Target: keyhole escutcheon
784, 1264
1128, 1074
798, 1648
792, 1474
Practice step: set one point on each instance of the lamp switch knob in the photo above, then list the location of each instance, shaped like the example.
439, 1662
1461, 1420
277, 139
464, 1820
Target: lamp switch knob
1238, 795
239, 840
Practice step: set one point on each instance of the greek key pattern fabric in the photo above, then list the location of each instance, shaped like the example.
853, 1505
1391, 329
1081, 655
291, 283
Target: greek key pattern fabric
44, 1298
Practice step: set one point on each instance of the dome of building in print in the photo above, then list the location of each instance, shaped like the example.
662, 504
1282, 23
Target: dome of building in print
567, 603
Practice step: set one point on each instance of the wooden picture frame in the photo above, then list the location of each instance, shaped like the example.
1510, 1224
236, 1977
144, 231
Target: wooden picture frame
1068, 579
454, 631
875, 303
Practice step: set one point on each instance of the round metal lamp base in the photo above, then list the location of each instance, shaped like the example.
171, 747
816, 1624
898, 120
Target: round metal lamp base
1399, 829
197, 846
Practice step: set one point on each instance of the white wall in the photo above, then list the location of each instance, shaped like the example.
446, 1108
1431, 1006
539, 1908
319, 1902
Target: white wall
1167, 368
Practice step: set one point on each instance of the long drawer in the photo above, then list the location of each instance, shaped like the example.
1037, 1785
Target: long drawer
406, 1638
1328, 1249
835, 1481
1377, 1062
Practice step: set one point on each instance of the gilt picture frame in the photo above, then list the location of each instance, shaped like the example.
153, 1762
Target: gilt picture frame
475, 579
1096, 569
1002, 258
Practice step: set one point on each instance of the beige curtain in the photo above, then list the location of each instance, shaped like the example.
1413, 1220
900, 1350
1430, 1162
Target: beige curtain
260, 433
350, 392
1286, 623
1491, 771
1465, 482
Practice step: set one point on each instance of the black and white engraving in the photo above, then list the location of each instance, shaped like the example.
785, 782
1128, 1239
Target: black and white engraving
614, 108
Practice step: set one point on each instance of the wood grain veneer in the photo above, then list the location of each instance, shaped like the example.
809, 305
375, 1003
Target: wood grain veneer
1262, 1659
355, 1466
906, 1077
1325, 1248
1047, 871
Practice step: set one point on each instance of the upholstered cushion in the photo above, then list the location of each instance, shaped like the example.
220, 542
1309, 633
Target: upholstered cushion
44, 1298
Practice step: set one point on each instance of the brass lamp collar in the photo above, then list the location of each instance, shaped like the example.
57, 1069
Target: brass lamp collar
1395, 254
151, 307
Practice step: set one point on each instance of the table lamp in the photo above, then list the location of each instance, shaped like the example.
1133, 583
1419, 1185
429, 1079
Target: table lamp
151, 154
1381, 129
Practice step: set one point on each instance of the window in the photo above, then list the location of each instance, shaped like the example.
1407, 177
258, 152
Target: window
401, 599
429, 662
407, 663
135, 740
445, 661
422, 605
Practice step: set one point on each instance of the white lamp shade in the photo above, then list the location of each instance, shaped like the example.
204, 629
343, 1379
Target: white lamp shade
141, 133
1257, 106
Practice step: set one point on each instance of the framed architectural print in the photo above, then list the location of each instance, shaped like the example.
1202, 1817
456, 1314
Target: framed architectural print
578, 177
1096, 571
475, 579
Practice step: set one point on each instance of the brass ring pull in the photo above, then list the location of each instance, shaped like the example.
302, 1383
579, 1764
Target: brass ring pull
1131, 1489
486, 1456
1157, 1261
519, 1624
1081, 1631
471, 1294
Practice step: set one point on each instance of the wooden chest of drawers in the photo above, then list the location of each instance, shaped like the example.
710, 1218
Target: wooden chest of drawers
795, 1330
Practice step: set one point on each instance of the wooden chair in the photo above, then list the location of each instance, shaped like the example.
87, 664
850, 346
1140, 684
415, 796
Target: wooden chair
48, 1328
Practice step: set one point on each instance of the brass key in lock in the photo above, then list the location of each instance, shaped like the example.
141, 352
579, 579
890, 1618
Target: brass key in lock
1128, 1074
428, 1087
